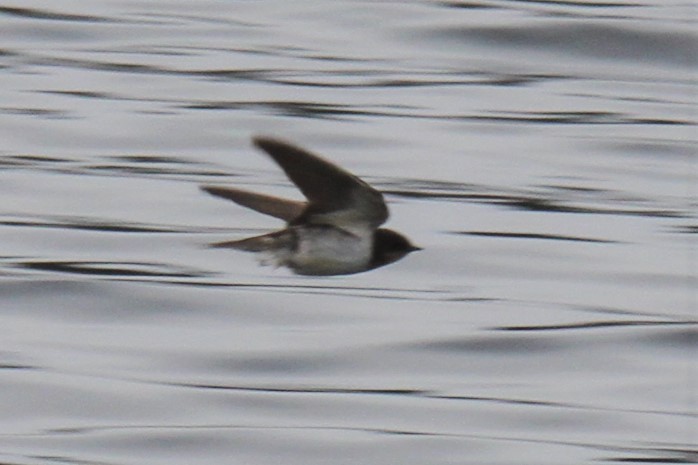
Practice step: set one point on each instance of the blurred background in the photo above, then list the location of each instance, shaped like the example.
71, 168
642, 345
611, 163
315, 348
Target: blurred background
542, 152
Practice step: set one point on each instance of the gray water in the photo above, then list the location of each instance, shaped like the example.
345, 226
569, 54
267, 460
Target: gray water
542, 152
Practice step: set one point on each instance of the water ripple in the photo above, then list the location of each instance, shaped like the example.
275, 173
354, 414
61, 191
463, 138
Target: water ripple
561, 199
83, 223
597, 40
116, 269
548, 237
596, 324
143, 165
34, 13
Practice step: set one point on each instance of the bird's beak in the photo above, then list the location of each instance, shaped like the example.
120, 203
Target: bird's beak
414, 248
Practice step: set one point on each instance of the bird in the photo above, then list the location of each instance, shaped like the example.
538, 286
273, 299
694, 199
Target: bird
336, 231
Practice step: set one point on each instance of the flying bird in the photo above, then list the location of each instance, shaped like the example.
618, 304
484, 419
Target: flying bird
336, 231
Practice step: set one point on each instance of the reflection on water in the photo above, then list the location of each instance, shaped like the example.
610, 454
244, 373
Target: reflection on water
542, 152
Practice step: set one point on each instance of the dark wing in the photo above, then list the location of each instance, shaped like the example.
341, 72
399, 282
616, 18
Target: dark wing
287, 210
334, 195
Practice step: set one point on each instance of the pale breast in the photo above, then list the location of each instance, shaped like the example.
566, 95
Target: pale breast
325, 250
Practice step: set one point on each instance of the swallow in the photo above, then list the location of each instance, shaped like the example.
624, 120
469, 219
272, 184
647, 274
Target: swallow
335, 232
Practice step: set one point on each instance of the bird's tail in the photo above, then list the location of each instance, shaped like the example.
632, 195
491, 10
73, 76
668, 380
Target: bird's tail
263, 243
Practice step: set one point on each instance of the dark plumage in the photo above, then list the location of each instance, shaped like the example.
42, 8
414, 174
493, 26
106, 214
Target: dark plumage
335, 232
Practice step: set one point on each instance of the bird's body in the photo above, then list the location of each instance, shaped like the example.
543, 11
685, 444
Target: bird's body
335, 232
317, 250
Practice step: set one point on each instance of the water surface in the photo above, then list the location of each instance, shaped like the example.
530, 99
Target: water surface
543, 154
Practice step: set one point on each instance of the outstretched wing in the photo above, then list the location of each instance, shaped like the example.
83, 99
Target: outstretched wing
335, 196
287, 210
